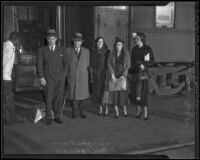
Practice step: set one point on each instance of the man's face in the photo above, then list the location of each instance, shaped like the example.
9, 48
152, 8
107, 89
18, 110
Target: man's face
51, 41
16, 41
77, 43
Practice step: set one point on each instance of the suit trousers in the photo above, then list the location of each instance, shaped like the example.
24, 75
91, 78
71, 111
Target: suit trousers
54, 95
75, 105
9, 112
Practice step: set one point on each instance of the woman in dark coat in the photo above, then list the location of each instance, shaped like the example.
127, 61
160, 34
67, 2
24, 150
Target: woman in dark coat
141, 58
118, 65
98, 66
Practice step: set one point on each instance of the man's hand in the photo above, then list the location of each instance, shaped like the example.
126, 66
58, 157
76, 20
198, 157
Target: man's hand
43, 81
141, 67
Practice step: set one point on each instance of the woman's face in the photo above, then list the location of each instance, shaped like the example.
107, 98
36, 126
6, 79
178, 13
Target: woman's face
119, 46
138, 40
100, 43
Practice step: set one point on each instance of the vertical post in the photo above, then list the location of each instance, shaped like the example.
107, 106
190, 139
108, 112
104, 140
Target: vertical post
64, 30
59, 24
96, 21
129, 28
15, 20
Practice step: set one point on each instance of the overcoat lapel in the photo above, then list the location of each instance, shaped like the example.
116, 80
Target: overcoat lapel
76, 57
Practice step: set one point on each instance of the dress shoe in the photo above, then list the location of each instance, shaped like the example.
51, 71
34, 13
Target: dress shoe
116, 117
138, 115
105, 114
10, 123
73, 116
49, 122
59, 121
83, 116
20, 119
146, 118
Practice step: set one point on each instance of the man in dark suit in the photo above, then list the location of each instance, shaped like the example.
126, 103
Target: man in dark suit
52, 70
77, 88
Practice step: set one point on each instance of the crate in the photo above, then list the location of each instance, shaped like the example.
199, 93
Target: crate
25, 70
27, 59
24, 81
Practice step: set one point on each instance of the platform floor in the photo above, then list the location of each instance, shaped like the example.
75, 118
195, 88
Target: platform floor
171, 127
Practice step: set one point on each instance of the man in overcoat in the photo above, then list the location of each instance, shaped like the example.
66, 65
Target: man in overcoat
52, 70
77, 79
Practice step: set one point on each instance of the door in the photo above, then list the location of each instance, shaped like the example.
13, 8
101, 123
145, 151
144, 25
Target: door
112, 21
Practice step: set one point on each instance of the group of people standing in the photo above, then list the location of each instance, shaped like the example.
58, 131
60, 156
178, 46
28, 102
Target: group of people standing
118, 65
107, 70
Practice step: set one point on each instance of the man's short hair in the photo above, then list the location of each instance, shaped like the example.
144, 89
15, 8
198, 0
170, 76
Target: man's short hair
14, 36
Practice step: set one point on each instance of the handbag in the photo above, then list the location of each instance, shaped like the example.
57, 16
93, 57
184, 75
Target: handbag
118, 85
143, 75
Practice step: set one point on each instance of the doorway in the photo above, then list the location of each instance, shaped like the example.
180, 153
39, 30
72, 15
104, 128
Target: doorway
112, 21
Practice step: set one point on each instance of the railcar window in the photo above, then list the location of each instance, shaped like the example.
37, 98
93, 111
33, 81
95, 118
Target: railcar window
165, 15
113, 9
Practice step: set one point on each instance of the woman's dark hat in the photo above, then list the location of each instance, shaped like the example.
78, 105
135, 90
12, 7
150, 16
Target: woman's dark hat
139, 34
51, 33
118, 39
77, 37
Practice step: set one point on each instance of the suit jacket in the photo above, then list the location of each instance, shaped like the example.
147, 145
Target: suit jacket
53, 64
77, 78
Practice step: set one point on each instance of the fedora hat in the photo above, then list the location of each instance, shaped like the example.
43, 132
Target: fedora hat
51, 33
77, 37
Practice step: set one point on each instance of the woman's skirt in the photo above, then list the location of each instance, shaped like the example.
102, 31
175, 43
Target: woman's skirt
139, 89
119, 98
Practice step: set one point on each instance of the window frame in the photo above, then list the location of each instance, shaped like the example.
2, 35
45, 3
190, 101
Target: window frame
170, 25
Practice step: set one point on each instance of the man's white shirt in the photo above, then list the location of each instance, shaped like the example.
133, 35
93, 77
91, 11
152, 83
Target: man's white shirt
50, 47
8, 59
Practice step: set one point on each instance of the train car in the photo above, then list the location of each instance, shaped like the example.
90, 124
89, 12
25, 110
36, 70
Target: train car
170, 30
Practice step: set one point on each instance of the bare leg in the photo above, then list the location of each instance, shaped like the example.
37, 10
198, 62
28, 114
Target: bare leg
145, 113
106, 109
125, 111
139, 110
100, 110
116, 112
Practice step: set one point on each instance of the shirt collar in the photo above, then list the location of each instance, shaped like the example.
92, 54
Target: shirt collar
53, 47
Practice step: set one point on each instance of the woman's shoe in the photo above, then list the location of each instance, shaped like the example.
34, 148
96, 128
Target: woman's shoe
100, 113
105, 114
146, 118
73, 116
125, 115
138, 115
116, 116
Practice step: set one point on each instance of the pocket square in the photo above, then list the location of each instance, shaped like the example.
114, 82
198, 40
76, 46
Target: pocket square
61, 55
